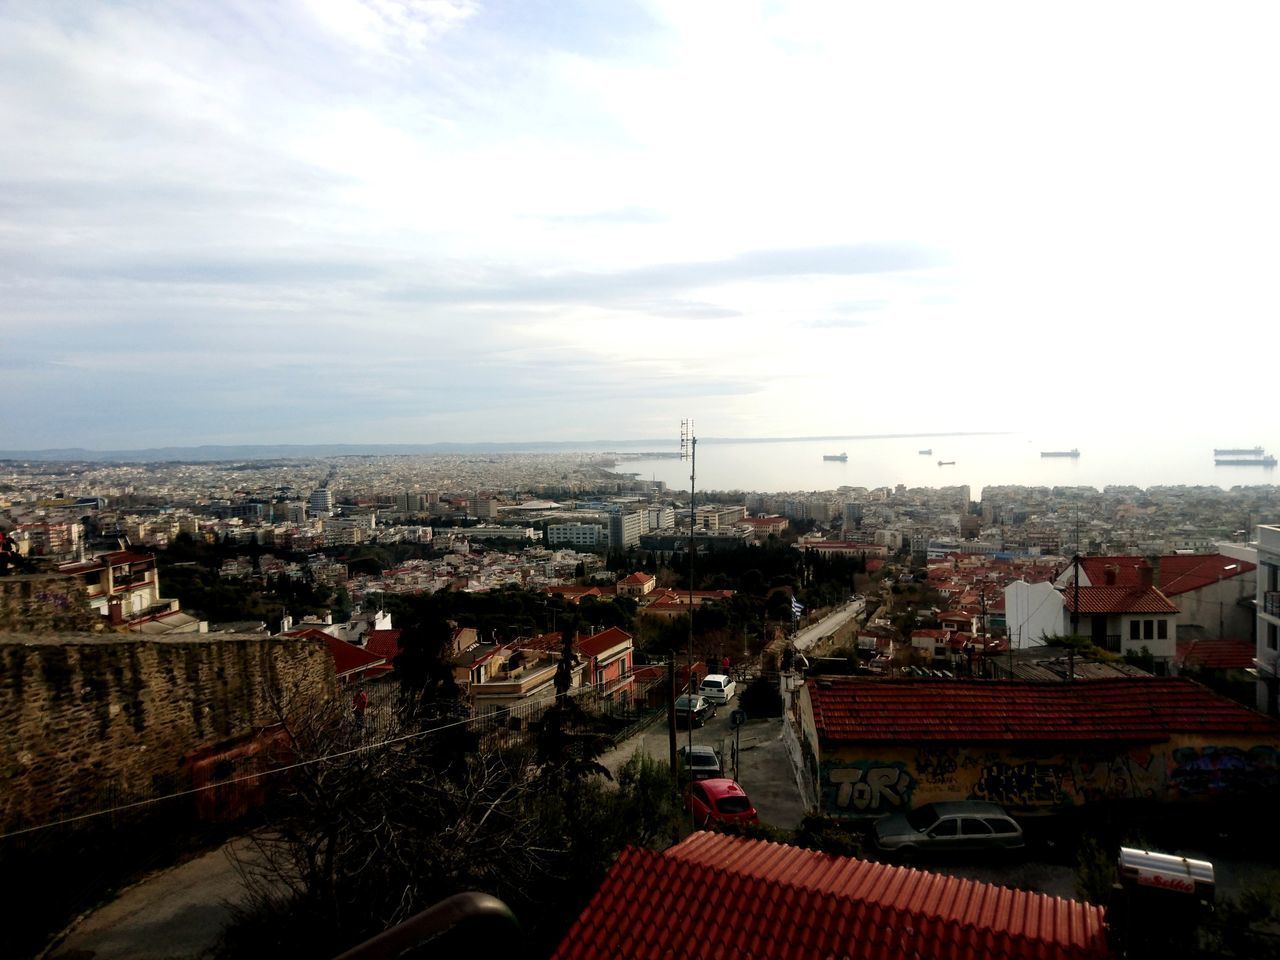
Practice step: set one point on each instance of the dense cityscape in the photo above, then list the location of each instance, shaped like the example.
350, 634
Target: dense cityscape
394, 592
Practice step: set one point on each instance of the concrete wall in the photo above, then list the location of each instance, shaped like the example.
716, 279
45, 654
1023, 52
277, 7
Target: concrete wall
1219, 604
874, 779
1032, 611
83, 715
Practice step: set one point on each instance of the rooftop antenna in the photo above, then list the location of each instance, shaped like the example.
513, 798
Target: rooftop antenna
689, 451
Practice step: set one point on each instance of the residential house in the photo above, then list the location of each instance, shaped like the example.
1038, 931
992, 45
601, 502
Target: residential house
1212, 592
636, 584
1123, 619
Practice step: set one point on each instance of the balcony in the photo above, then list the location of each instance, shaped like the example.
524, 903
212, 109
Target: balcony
1113, 642
1271, 603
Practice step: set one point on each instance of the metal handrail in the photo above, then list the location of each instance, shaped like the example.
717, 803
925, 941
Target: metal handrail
487, 919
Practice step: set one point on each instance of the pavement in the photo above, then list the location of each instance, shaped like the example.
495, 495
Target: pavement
175, 914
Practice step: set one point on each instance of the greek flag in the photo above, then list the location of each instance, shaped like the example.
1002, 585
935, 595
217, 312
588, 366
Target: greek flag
796, 609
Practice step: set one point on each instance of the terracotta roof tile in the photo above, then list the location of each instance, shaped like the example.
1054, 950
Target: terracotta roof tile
384, 643
1119, 599
1216, 654
1182, 572
1122, 708
769, 900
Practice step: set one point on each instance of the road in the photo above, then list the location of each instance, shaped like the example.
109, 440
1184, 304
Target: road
176, 914
828, 625
764, 768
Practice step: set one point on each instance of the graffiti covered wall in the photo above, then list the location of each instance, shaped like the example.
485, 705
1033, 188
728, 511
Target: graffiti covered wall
877, 779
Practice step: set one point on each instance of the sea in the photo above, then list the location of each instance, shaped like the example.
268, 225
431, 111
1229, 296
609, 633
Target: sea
951, 460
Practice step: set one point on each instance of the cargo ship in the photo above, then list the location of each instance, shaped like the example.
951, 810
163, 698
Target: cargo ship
1060, 453
1244, 461
946, 463
927, 453
1238, 452
842, 457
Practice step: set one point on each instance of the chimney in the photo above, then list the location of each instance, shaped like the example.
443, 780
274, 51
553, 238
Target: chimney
1144, 573
1109, 574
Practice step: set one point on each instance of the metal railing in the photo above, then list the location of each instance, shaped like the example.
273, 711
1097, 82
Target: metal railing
1271, 603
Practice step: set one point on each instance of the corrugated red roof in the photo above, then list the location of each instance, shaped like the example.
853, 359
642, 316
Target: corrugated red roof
1118, 600
1182, 572
765, 900
1123, 708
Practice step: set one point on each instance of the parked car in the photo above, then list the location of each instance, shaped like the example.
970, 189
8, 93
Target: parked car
718, 687
701, 761
942, 827
694, 710
718, 801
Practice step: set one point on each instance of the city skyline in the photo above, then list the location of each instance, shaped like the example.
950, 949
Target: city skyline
411, 222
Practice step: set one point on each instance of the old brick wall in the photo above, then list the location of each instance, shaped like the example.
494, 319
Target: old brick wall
85, 716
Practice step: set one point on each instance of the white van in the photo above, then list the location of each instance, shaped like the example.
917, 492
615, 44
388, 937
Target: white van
718, 688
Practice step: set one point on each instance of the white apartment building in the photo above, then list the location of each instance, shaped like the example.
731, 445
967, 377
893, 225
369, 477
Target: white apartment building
320, 504
625, 529
586, 536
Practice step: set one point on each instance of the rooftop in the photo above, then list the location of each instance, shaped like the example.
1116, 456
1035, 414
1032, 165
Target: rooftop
767, 900
1140, 709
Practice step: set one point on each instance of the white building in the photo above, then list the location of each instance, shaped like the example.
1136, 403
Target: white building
1032, 611
320, 503
586, 536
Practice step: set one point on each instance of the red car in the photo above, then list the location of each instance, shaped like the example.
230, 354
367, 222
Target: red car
719, 801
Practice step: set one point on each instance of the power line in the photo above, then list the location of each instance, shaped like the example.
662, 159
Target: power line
136, 804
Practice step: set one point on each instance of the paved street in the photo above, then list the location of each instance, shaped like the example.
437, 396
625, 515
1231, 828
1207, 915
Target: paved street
177, 913
764, 769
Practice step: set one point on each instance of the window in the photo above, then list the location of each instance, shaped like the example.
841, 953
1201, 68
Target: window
945, 828
1135, 630
733, 805
1001, 825
1162, 629
1148, 629
971, 827
1273, 636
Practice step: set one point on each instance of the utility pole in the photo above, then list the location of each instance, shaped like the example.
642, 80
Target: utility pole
689, 451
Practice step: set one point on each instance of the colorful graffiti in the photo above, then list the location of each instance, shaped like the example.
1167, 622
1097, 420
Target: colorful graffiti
1212, 771
1026, 784
866, 788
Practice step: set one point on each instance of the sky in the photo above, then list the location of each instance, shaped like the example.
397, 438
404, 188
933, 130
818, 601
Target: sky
414, 221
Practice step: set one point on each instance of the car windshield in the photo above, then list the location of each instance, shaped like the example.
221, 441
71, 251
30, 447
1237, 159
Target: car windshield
682, 703
923, 817
733, 804
703, 760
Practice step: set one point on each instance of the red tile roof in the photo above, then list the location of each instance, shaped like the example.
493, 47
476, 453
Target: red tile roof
601, 643
1128, 570
385, 643
637, 578
1216, 654
1129, 599
1125, 708
767, 900
1182, 572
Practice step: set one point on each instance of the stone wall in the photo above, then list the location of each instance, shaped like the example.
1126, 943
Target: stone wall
84, 716
45, 602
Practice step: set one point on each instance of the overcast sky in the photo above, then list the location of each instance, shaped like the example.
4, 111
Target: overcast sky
374, 220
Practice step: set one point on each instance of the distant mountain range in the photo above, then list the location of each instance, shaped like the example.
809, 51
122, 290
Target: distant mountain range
298, 451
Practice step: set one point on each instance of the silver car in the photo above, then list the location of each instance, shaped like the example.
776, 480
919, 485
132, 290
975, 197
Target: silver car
701, 762
941, 827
